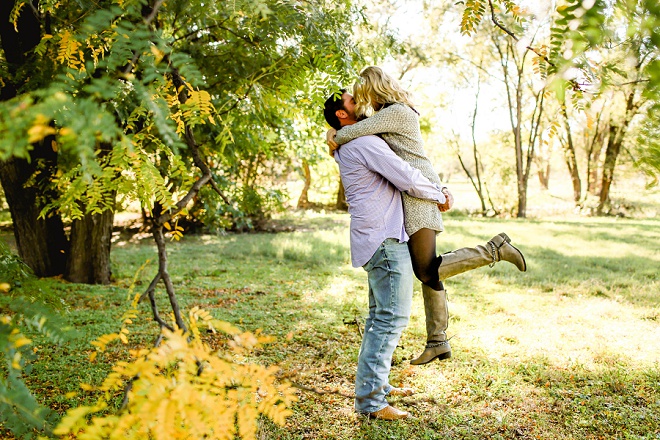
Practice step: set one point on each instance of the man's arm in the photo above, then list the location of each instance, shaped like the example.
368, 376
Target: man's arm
379, 158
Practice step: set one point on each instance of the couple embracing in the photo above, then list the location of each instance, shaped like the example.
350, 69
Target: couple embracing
395, 201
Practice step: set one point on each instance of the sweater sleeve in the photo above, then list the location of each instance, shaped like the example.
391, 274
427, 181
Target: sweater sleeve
392, 119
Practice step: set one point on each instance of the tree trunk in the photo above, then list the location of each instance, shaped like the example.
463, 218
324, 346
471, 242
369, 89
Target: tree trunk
571, 160
303, 200
595, 146
611, 153
543, 164
592, 172
520, 177
89, 259
543, 173
41, 243
341, 197
477, 183
618, 131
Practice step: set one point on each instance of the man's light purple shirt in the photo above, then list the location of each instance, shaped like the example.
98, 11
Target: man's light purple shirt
373, 177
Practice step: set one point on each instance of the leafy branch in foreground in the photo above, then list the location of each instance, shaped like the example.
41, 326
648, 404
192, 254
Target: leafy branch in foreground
576, 28
11, 268
184, 389
19, 409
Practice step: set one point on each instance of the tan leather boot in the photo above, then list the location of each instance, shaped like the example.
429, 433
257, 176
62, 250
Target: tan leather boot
496, 249
437, 320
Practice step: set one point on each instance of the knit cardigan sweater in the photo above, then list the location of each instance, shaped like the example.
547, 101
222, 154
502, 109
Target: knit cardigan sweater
398, 125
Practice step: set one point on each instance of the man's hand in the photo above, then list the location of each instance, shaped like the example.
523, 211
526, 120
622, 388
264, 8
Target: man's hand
444, 207
330, 140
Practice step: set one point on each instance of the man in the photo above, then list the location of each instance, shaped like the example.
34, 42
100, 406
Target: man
373, 177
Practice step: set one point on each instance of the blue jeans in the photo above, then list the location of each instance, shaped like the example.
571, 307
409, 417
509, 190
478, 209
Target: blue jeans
390, 278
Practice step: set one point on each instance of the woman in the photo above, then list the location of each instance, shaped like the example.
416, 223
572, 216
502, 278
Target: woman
389, 112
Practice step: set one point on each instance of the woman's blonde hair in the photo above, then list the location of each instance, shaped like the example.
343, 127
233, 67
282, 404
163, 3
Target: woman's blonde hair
374, 89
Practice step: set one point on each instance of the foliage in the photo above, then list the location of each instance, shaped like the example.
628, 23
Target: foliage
649, 156
599, 59
649, 28
112, 113
475, 11
182, 388
20, 411
12, 269
577, 28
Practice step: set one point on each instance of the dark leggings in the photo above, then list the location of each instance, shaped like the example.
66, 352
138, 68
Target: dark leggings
424, 260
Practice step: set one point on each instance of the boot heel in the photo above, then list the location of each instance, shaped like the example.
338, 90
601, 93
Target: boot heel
443, 356
504, 237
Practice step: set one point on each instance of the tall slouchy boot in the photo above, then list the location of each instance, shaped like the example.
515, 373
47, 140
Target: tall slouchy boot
498, 248
437, 319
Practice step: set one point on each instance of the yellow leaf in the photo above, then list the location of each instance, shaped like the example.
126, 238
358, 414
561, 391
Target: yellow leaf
5, 287
40, 129
72, 418
21, 342
69, 52
66, 131
159, 54
15, 14
92, 357
224, 327
16, 362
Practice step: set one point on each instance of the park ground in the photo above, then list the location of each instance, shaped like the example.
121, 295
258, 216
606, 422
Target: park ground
568, 350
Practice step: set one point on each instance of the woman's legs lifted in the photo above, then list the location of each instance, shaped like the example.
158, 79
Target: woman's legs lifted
431, 270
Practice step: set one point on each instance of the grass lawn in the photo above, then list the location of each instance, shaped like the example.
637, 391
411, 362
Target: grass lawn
568, 350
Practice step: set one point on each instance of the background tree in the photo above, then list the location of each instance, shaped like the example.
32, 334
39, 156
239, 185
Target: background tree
525, 123
627, 75
473, 163
606, 101
581, 32
105, 117
41, 241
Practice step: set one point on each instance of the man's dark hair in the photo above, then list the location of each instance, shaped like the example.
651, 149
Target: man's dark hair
332, 105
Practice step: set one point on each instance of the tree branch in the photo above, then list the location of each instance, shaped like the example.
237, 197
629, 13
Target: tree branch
162, 271
147, 21
512, 35
154, 12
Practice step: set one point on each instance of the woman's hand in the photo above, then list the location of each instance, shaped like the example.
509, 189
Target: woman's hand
330, 140
444, 207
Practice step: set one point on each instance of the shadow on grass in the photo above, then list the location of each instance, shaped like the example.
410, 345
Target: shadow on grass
480, 398
619, 264
625, 278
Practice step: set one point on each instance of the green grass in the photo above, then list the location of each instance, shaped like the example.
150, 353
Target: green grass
568, 350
